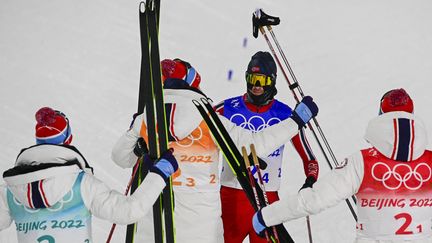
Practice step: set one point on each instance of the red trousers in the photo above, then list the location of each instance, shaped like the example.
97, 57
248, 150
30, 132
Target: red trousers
237, 213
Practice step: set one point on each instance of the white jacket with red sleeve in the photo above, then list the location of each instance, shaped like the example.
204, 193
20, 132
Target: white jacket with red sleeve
389, 179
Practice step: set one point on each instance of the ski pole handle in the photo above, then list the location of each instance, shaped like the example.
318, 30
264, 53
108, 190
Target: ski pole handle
260, 19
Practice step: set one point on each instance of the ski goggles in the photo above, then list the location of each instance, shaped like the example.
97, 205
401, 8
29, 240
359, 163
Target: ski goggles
256, 79
192, 76
68, 131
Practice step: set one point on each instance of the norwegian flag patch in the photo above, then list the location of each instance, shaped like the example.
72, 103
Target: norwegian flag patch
255, 69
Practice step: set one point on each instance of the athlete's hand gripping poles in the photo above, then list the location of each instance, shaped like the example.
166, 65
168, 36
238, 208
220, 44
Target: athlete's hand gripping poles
261, 20
252, 183
255, 164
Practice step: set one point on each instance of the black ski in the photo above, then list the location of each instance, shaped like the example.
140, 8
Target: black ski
151, 117
153, 7
143, 98
234, 159
151, 98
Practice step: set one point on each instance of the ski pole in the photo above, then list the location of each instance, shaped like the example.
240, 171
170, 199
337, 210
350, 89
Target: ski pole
295, 83
252, 183
269, 28
255, 164
292, 87
260, 19
135, 169
309, 229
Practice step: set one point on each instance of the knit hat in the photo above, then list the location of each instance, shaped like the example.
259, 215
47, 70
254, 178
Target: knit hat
261, 63
179, 69
52, 127
396, 100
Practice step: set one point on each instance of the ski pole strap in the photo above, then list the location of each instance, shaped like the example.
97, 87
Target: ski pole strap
293, 86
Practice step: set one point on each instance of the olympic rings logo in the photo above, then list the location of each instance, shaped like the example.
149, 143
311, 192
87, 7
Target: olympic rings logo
397, 175
248, 124
190, 139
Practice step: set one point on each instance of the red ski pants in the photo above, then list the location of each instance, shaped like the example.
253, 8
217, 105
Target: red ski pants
237, 213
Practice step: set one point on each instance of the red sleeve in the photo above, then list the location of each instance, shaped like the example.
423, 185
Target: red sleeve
219, 108
310, 165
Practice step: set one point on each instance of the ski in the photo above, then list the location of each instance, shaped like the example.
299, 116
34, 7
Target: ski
153, 7
234, 158
143, 97
233, 161
151, 122
151, 98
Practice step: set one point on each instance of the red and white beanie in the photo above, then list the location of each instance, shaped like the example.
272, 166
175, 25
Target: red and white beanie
396, 100
52, 127
180, 69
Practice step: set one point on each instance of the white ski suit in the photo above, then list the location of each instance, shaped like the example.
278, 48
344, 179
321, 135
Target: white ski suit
51, 194
392, 182
197, 213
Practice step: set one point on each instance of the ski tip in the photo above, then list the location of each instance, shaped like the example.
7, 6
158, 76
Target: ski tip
196, 102
142, 7
151, 5
204, 101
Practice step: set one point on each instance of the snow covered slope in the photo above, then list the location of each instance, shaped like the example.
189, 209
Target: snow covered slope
83, 57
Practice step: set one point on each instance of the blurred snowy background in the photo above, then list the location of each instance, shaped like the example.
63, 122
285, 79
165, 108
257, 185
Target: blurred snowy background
83, 58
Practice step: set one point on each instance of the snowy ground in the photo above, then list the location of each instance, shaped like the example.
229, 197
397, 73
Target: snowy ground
83, 57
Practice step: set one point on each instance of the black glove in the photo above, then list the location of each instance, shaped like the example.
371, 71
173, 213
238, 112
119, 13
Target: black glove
140, 147
310, 180
304, 111
262, 164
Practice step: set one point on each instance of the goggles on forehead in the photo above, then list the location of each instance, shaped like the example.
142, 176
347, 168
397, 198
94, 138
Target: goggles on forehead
60, 113
68, 130
190, 71
256, 79
63, 115
382, 98
380, 111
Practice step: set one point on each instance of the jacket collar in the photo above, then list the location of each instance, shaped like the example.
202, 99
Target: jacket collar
399, 136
